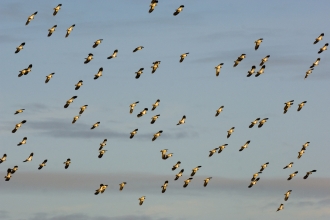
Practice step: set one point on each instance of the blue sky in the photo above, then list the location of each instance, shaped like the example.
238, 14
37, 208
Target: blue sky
212, 32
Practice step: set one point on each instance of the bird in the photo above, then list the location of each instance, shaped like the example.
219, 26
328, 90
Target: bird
114, 55
217, 69
101, 152
132, 106
264, 166
17, 126
155, 66
96, 43
255, 175
287, 195
178, 10
230, 131
254, 182
12, 171
308, 72
25, 71
42, 164
103, 144
163, 153
70, 101
219, 110
264, 60
67, 163
133, 133
182, 56
251, 72
287, 106
262, 122
245, 145
31, 17
280, 208
141, 199
153, 5
305, 145
300, 153
154, 118
20, 47
88, 58
309, 173
301, 105
138, 48
121, 186
323, 48
143, 112
177, 165
288, 166
177, 176
257, 43
22, 142
186, 182
51, 30
3, 158
319, 38
139, 73
49, 77
8, 176
98, 74
82, 109
101, 189
75, 118
316, 63
194, 171
261, 71
95, 125
19, 111
78, 85
213, 152
292, 175
221, 148
164, 186
56, 9
155, 105
182, 121
239, 59
68, 31
166, 156
29, 158
254, 122
206, 181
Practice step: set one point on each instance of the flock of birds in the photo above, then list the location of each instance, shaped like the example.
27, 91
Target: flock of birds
164, 155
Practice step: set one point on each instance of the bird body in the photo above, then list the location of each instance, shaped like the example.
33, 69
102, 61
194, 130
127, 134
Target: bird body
230, 131
177, 176
309, 173
177, 165
221, 148
316, 63
133, 133
138, 48
300, 153
264, 166
31, 17
51, 30
56, 9
280, 208
132, 106
308, 72
3, 158
67, 163
245, 145
287, 106
155, 105
139, 73
88, 58
8, 176
206, 181
20, 47
254, 122
178, 10
78, 85
99, 73
22, 142
141, 199
182, 121
114, 54
121, 186
29, 158
264, 60
255, 175
288, 166
153, 5
305, 145
262, 122
19, 111
219, 110
156, 135
95, 125
42, 164
103, 144
287, 195
143, 112
183, 56
164, 186
75, 118
194, 171
292, 175
239, 59
17, 126
155, 66
154, 118
101, 153
257, 43
251, 72
25, 71
261, 71
217, 69
48, 77
68, 102
12, 171
319, 38
82, 109
186, 182
69, 30
97, 42
254, 182
101, 189
301, 105
323, 48
213, 152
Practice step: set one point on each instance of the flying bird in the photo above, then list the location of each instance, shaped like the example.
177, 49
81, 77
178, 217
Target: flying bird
20, 47
56, 9
301, 105
177, 165
217, 69
133, 133
287, 106
96, 43
42, 164
48, 77
78, 85
155, 66
206, 181
292, 175
219, 110
257, 43
194, 171
251, 72
132, 106
154, 118
221, 148
98, 74
67, 163
213, 152
70, 101
19, 111
255, 175
82, 109
166, 156
319, 38
29, 158
308, 72
17, 126
254, 122
155, 105
121, 186
261, 71
139, 73
300, 153
14, 169
103, 144
323, 48
164, 186
186, 182
305, 145
51, 30
141, 199
25, 71
101, 189
287, 195
288, 166
239, 59
3, 158
143, 112
309, 173
22, 142
264, 60
8, 176
254, 182
95, 125
75, 118
245, 145
178, 10
88, 58
230, 131
153, 5
177, 176
182, 56
263, 167
101, 153
68, 31
156, 135
182, 121
262, 122
30, 18
280, 208
316, 63
138, 48
114, 55
163, 153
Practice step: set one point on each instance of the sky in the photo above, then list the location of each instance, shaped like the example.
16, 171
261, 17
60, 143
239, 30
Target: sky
212, 32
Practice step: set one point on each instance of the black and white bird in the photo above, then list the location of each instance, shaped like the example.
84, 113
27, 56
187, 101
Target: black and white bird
245, 145
163, 153
82, 109
141, 199
138, 48
178, 10
194, 171
177, 165
164, 186
56, 9
102, 145
239, 59
217, 69
221, 148
261, 71
88, 58
182, 120
254, 122
264, 60
51, 30
292, 175
3, 158
155, 105
101, 153
213, 152
255, 175
69, 30
42, 164
143, 112
300, 153
309, 173
156, 135
308, 72
114, 54
20, 47
219, 110
186, 182
264, 166
67, 163
183, 56
17, 126
177, 176
68, 102
101, 189
287, 195
280, 208
99, 73
305, 145
287, 106
206, 181
262, 122
251, 71
301, 105
154, 118
95, 125
29, 158
97, 42
31, 17
75, 118
155, 66
48, 77
22, 142
132, 106
323, 48
25, 71
122, 185
230, 131
19, 111
288, 166
78, 85
166, 156
14, 169
254, 182
153, 5
8, 176
316, 63
319, 38
139, 73
133, 133
257, 43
